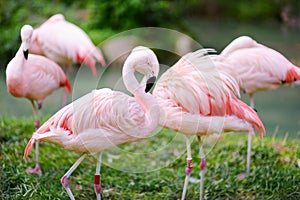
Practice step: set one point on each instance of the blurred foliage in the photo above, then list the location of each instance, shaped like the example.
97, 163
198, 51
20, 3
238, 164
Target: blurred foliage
242, 10
14, 14
117, 15
126, 14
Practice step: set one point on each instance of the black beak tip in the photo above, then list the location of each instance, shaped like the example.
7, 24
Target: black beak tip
150, 83
25, 54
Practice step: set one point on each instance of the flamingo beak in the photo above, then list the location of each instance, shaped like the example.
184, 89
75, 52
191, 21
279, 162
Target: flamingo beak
25, 52
150, 82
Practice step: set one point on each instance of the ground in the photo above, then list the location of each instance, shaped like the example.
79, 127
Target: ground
275, 169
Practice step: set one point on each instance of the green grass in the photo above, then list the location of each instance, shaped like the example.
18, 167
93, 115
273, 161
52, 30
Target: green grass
275, 170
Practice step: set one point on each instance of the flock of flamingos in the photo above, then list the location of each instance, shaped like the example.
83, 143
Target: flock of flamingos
197, 96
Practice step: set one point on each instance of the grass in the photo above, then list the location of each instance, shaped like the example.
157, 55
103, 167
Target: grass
275, 168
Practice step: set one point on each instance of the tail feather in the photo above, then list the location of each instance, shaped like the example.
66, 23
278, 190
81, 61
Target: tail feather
29, 147
243, 111
68, 86
293, 75
97, 54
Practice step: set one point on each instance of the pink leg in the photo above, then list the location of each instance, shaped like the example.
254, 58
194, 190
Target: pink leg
97, 177
40, 104
242, 176
65, 94
37, 169
64, 180
189, 167
202, 167
65, 97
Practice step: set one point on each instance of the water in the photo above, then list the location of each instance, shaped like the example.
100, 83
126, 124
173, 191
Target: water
276, 108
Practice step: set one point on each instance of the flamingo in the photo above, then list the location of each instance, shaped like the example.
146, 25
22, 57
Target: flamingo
105, 118
196, 99
33, 77
65, 43
257, 67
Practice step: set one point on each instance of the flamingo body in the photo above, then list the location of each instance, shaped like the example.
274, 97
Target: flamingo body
35, 78
197, 99
193, 89
257, 67
65, 43
95, 122
105, 118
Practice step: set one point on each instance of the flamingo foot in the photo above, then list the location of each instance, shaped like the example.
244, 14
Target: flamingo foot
242, 176
36, 170
97, 186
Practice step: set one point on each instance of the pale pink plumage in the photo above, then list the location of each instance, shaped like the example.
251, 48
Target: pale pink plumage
197, 99
194, 90
65, 43
257, 67
104, 118
97, 121
34, 78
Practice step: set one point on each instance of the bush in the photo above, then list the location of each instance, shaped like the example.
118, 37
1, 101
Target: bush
127, 14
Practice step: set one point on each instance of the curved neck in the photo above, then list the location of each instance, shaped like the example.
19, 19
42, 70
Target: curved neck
19, 60
147, 101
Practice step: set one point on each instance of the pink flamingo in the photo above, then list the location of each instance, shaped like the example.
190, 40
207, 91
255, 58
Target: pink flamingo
33, 77
105, 118
257, 68
196, 99
65, 43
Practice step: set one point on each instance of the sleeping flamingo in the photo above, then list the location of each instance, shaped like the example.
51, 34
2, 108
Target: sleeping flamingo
105, 118
196, 99
257, 68
65, 43
33, 77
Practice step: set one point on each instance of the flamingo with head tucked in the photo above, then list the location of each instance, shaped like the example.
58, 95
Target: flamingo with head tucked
105, 118
33, 77
197, 99
257, 67
65, 43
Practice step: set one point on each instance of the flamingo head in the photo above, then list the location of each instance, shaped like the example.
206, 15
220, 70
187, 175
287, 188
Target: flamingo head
26, 33
147, 64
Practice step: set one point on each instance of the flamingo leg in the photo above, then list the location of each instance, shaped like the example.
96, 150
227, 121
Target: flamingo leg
64, 180
250, 138
189, 166
202, 166
249, 153
65, 94
37, 169
97, 177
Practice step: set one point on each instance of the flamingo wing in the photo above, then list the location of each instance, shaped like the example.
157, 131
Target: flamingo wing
94, 122
193, 93
42, 76
261, 69
257, 67
71, 45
